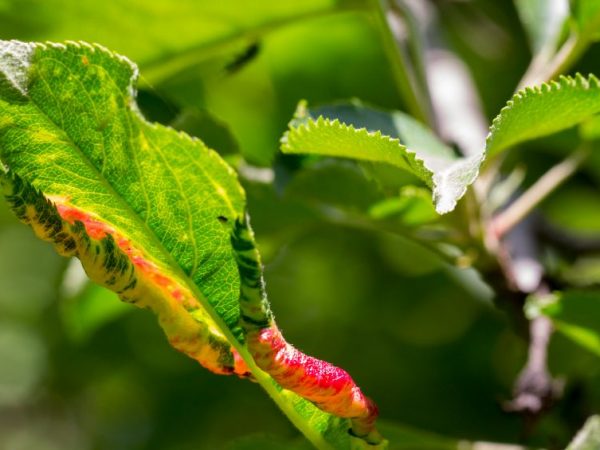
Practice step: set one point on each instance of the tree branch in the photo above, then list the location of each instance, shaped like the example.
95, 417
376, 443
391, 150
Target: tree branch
522, 206
535, 390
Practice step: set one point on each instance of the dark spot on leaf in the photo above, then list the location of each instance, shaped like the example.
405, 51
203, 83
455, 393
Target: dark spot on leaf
244, 58
223, 219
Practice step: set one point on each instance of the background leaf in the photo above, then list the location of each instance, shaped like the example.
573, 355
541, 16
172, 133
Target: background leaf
412, 207
89, 310
213, 132
576, 314
205, 29
543, 20
589, 436
587, 15
353, 131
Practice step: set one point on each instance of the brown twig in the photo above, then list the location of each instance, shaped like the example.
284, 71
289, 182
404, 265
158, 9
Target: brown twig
535, 389
547, 183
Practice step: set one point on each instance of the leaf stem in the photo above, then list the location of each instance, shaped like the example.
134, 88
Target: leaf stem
417, 52
286, 406
562, 60
403, 78
521, 207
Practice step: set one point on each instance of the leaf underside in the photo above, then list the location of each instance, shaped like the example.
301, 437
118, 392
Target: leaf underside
151, 213
358, 132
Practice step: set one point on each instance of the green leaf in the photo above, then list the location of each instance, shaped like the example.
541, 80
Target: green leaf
337, 184
587, 17
543, 20
574, 207
92, 308
590, 129
150, 212
412, 207
354, 131
576, 314
212, 131
163, 37
29, 272
542, 110
583, 272
20, 372
588, 438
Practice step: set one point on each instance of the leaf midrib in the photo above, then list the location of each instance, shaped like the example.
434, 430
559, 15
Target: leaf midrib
173, 264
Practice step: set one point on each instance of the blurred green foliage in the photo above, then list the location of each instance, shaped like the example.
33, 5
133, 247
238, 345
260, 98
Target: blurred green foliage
77, 371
